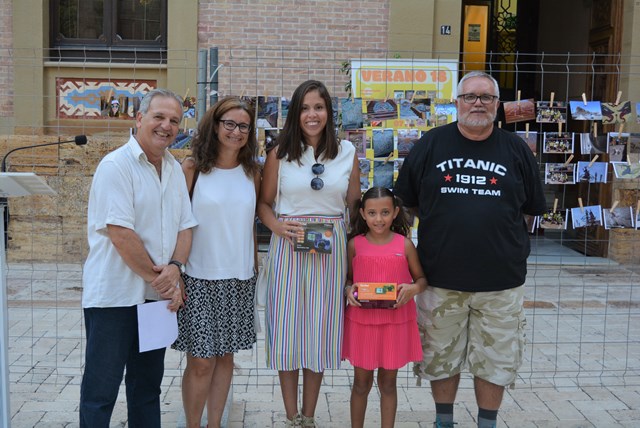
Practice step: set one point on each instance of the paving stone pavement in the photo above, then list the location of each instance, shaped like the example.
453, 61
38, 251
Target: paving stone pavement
582, 365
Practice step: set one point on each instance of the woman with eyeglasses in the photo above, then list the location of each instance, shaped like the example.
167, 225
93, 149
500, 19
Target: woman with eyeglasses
309, 177
217, 320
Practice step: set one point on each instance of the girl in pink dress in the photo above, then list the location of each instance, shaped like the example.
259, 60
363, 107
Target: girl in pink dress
383, 339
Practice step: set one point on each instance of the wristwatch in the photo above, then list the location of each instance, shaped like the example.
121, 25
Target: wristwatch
177, 263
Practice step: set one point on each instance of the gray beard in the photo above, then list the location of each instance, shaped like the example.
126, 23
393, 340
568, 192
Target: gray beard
479, 123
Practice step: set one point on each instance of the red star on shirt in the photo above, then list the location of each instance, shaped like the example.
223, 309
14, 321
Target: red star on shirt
447, 177
493, 180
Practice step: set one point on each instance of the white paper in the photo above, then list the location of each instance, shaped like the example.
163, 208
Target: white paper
157, 325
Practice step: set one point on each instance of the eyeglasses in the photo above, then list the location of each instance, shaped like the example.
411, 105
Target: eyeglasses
472, 98
230, 125
317, 183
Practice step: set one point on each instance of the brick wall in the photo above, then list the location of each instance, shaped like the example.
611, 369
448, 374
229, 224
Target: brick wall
6, 74
271, 46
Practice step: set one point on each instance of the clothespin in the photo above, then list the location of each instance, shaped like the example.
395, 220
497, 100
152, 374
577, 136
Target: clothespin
615, 204
555, 205
620, 128
584, 98
595, 158
595, 129
618, 98
553, 94
568, 160
581, 206
388, 158
637, 209
413, 96
526, 130
499, 124
242, 93
518, 98
559, 129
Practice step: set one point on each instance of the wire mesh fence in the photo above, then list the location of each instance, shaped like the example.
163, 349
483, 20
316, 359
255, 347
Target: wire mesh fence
583, 286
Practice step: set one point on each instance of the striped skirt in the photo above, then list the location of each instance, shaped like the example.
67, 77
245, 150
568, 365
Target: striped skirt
304, 312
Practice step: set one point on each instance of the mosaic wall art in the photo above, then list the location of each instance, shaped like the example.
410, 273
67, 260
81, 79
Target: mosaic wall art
100, 98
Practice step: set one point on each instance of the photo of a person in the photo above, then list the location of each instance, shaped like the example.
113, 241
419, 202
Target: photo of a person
555, 113
559, 173
555, 142
553, 220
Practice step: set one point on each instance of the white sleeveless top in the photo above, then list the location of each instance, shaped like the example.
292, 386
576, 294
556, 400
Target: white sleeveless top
296, 195
224, 203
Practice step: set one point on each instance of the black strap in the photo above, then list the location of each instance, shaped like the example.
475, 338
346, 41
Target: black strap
193, 183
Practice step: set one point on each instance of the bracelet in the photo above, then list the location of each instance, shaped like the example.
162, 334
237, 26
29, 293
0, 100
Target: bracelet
346, 289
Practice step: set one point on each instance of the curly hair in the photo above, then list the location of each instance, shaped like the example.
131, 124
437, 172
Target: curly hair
289, 139
205, 147
400, 224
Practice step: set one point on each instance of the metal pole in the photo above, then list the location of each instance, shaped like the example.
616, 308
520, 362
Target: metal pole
213, 82
202, 84
5, 414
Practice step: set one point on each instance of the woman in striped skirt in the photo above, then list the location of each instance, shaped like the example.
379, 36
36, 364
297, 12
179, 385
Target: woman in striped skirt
310, 177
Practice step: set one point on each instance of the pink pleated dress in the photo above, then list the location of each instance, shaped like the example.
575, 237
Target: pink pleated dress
381, 338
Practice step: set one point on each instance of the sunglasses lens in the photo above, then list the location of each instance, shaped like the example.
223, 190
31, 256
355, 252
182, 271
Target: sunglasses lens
317, 168
317, 183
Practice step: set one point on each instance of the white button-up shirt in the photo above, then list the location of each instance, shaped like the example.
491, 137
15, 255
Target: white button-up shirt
126, 191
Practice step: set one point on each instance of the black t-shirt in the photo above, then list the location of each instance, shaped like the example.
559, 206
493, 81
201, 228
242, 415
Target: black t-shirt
471, 196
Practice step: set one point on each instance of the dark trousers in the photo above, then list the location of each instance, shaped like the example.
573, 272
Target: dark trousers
112, 346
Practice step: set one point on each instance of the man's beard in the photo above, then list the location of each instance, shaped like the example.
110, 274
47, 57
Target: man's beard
479, 122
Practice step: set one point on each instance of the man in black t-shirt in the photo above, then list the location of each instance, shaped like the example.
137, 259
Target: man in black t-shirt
470, 183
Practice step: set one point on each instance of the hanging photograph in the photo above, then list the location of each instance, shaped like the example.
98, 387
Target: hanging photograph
590, 145
589, 111
559, 173
595, 172
618, 218
365, 172
586, 217
617, 146
553, 220
615, 113
352, 117
555, 113
406, 139
625, 170
383, 173
554, 142
383, 142
382, 110
267, 113
531, 138
519, 111
359, 140
445, 112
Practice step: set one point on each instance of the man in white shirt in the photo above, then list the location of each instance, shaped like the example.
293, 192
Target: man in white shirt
139, 230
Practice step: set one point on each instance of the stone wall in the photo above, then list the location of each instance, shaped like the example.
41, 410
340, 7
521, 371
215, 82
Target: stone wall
53, 228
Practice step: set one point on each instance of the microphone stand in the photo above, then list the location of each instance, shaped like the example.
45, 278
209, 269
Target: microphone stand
79, 140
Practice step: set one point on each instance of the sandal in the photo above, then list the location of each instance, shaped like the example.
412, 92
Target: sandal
307, 421
296, 421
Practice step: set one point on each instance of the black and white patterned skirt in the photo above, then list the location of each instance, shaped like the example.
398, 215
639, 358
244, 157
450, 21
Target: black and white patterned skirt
217, 318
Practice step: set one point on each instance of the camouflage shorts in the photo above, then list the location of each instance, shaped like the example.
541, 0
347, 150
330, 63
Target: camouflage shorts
481, 331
